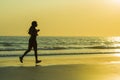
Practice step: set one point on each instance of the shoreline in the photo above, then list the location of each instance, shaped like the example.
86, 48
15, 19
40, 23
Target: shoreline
62, 60
56, 54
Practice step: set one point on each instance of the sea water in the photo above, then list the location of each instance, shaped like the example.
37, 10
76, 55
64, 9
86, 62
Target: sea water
17, 45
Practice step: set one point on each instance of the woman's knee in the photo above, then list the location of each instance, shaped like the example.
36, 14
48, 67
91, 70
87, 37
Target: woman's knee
29, 50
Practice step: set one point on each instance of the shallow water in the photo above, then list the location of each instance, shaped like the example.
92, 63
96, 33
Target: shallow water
16, 45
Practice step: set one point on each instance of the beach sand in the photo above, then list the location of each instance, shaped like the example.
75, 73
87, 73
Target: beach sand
79, 67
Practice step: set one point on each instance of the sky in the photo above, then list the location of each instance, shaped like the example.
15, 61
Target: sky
60, 17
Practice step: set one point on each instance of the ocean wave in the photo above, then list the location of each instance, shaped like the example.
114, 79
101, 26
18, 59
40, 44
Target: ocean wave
12, 49
11, 44
104, 47
58, 54
80, 47
60, 48
6, 44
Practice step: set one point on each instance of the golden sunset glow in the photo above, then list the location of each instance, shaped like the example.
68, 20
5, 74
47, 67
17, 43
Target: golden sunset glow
61, 17
115, 1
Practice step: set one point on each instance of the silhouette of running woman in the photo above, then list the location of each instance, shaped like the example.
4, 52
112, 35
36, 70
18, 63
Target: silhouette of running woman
32, 42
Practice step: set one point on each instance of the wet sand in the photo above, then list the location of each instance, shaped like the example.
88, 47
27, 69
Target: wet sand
79, 67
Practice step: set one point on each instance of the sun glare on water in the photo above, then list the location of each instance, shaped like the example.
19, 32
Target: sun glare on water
113, 39
116, 44
117, 55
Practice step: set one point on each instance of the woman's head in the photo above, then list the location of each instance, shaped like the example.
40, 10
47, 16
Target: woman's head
34, 23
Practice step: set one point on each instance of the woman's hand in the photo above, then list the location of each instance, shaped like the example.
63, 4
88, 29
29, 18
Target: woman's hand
38, 30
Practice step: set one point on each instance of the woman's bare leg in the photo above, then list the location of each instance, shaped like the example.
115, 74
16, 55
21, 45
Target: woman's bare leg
36, 55
28, 50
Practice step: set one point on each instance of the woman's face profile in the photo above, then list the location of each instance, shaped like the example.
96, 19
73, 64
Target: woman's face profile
34, 23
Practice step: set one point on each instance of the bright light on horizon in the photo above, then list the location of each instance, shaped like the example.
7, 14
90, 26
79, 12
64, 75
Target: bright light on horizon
113, 1
114, 39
